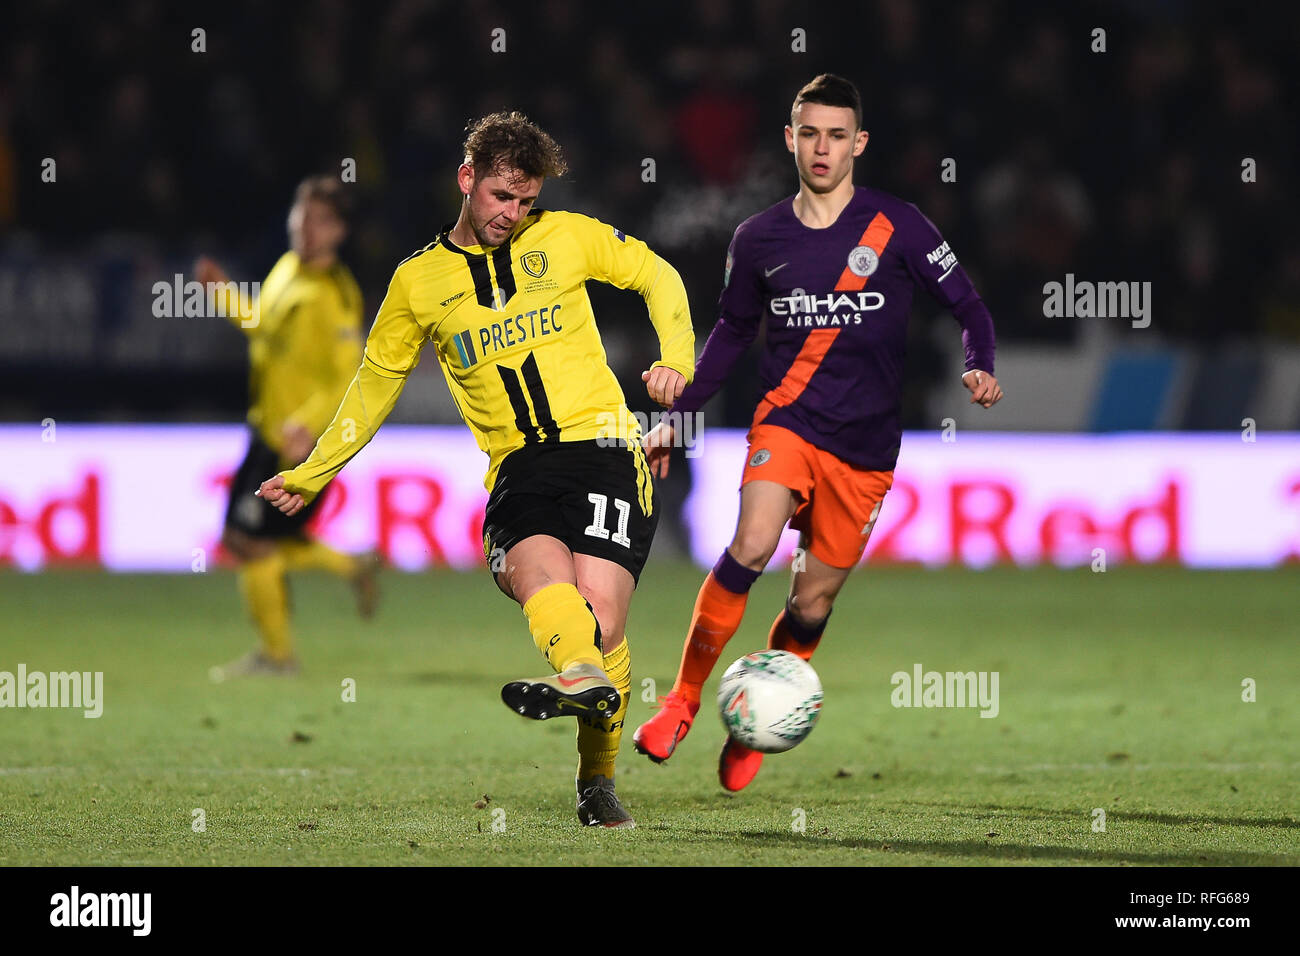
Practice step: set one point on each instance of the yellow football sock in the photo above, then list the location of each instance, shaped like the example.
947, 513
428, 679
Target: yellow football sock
262, 584
305, 555
598, 741
563, 627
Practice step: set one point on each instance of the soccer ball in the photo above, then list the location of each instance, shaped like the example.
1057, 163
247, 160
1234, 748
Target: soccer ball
769, 700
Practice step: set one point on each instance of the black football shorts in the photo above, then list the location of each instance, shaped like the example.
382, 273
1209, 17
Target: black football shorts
597, 498
257, 518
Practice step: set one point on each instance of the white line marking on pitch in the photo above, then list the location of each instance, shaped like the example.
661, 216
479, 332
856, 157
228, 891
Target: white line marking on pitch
1125, 765
277, 771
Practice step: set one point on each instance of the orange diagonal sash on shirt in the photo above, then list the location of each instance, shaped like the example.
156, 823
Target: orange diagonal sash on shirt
819, 341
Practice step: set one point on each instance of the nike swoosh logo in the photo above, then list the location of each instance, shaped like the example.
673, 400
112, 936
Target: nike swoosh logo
569, 683
770, 272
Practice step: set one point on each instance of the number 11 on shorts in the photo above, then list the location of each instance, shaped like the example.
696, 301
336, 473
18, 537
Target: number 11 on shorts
597, 527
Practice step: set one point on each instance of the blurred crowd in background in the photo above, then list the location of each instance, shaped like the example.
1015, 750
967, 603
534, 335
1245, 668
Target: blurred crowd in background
1123, 165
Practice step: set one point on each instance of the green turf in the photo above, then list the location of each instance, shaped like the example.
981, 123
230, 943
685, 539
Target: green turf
1119, 691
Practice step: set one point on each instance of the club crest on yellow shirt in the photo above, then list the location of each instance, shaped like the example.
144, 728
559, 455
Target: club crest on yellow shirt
534, 263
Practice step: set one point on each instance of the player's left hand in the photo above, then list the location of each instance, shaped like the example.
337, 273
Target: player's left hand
208, 271
664, 384
658, 445
298, 442
984, 388
272, 490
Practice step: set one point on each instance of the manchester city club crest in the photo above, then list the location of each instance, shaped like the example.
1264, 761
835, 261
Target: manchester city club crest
863, 261
534, 263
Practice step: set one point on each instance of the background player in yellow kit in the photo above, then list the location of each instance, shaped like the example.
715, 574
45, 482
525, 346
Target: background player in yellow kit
501, 295
304, 342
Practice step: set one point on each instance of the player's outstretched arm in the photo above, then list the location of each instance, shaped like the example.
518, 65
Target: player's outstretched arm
628, 263
366, 404
392, 351
313, 415
984, 388
934, 266
226, 297
665, 297
208, 270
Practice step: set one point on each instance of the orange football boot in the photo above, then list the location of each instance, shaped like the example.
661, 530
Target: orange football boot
738, 765
658, 737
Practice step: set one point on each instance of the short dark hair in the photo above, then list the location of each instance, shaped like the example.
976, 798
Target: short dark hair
828, 89
329, 190
512, 141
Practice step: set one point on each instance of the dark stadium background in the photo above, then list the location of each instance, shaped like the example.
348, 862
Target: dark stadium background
1148, 710
1123, 165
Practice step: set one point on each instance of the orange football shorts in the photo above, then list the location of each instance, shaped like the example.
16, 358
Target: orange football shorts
839, 502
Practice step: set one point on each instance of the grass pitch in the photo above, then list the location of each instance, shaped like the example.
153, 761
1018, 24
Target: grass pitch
1119, 692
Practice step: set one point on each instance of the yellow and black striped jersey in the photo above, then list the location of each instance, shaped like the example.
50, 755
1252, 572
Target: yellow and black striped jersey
516, 338
303, 347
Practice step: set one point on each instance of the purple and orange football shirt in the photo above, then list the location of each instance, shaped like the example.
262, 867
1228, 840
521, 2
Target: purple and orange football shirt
834, 303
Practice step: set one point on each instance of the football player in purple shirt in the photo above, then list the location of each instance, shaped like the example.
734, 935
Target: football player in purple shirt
829, 273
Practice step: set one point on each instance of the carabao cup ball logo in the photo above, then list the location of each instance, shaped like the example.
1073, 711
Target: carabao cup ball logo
863, 261
534, 263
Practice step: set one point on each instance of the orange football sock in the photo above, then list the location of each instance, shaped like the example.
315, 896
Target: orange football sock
789, 634
717, 614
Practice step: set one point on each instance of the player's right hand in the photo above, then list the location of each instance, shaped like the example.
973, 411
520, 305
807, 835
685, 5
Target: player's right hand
206, 270
272, 490
664, 384
658, 445
984, 388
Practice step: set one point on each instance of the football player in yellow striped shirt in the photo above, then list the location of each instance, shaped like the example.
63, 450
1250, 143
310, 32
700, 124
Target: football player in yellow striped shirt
304, 342
500, 297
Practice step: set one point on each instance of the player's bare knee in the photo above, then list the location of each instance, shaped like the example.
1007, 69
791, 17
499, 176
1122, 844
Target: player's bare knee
753, 549
503, 585
608, 635
609, 621
243, 547
811, 609
521, 583
231, 543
